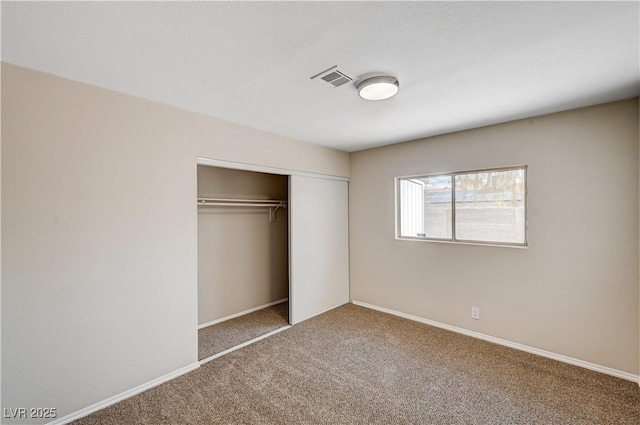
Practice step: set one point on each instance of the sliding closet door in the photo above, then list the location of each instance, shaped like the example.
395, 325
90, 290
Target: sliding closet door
319, 246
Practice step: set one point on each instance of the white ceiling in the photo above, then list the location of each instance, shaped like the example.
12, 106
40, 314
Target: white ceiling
460, 64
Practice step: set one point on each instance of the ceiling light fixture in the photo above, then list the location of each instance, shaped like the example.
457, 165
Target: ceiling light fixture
378, 88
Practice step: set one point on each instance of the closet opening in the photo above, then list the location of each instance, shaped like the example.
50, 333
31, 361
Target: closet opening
243, 257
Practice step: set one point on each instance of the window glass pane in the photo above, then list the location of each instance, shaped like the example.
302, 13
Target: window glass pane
437, 207
490, 206
411, 208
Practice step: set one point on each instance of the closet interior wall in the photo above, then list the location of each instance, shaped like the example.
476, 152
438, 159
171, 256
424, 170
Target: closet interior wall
242, 256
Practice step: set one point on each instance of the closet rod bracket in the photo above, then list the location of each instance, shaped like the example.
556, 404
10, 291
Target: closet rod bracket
272, 211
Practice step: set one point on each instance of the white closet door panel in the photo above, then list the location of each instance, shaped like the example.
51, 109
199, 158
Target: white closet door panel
319, 246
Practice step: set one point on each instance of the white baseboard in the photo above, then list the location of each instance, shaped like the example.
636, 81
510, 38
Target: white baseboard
565, 359
242, 313
244, 344
124, 395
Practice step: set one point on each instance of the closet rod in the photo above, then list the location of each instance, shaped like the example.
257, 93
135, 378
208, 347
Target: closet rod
255, 201
273, 205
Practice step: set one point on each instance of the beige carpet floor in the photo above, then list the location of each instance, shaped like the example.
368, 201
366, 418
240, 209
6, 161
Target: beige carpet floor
222, 336
357, 366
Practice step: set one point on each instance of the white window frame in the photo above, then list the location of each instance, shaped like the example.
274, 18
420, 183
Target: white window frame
453, 239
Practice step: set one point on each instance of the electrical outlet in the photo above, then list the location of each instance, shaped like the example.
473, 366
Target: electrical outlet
475, 313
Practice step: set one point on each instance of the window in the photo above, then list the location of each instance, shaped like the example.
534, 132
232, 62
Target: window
485, 206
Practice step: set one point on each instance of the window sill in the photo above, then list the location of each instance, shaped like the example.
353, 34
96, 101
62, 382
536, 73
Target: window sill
499, 245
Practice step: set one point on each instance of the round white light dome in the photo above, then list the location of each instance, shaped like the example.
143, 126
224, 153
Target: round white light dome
378, 88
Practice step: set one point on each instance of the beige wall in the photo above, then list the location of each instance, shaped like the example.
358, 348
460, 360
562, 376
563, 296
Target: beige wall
99, 230
242, 256
574, 291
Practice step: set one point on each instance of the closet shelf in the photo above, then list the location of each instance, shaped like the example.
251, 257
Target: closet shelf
272, 204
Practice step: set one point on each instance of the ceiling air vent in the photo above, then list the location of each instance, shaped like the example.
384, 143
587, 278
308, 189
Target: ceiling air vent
332, 77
